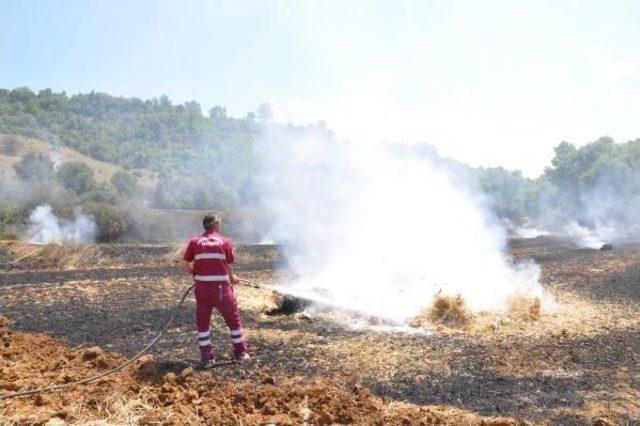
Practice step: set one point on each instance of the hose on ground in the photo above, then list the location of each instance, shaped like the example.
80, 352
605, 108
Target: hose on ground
108, 372
152, 343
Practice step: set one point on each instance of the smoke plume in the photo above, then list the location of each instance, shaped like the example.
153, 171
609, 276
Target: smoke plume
382, 230
45, 227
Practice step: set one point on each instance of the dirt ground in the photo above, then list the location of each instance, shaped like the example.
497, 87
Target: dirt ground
575, 365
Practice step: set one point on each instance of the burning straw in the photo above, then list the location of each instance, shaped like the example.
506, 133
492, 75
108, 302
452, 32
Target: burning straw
452, 311
446, 310
525, 307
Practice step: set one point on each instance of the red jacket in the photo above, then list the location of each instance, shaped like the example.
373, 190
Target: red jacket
210, 254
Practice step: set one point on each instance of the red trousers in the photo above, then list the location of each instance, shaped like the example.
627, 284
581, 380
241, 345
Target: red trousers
217, 295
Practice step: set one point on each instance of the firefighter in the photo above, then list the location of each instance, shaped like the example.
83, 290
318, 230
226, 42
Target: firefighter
209, 258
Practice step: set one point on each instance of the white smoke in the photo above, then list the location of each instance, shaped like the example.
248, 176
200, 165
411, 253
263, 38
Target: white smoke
45, 227
524, 230
382, 232
581, 236
599, 234
529, 232
56, 158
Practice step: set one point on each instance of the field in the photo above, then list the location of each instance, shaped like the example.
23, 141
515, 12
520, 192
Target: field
68, 314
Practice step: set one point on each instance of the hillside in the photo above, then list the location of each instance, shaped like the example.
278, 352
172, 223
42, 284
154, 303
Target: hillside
176, 142
103, 171
209, 160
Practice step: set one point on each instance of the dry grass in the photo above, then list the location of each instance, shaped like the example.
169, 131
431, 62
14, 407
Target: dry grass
450, 311
114, 410
175, 255
525, 307
103, 171
65, 255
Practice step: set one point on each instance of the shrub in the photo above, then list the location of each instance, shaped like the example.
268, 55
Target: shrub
9, 216
76, 176
124, 182
10, 145
113, 222
101, 193
35, 166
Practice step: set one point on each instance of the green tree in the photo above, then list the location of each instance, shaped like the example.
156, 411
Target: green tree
113, 222
10, 145
218, 113
124, 183
77, 177
35, 166
505, 189
264, 112
596, 183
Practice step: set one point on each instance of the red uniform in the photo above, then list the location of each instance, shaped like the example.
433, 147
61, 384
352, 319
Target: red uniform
210, 254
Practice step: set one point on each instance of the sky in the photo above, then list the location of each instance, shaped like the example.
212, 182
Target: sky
491, 83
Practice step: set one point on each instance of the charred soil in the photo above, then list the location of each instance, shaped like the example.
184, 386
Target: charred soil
575, 365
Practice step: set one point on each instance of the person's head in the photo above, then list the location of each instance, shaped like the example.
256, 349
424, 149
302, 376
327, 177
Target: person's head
211, 222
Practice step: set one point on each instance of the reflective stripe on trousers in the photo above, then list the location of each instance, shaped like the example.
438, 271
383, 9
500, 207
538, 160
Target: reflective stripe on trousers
221, 297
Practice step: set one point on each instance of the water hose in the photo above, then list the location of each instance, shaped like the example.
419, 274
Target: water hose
108, 372
151, 344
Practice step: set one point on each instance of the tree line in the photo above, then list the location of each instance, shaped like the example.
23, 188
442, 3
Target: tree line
207, 160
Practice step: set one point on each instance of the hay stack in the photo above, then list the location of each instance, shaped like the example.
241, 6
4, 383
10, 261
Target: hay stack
450, 311
287, 304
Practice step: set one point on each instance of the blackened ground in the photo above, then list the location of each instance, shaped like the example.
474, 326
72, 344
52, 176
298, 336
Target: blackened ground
571, 366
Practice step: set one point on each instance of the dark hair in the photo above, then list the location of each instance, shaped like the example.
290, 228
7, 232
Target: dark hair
209, 220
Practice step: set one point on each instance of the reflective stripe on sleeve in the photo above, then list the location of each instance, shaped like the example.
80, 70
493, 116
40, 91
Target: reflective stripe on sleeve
211, 277
201, 256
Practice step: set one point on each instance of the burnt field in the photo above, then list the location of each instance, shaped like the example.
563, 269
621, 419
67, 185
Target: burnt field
578, 364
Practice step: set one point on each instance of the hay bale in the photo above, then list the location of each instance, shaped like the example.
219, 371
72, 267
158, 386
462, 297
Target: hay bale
451, 311
606, 247
287, 304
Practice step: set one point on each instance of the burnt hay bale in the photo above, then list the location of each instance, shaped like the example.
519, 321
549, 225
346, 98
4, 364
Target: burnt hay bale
606, 247
287, 305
